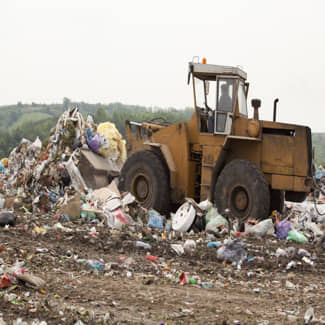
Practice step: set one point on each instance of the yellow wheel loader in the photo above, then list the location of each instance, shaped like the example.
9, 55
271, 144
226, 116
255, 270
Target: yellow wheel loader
242, 164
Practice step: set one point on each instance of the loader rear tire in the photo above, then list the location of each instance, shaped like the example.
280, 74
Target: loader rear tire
146, 177
241, 187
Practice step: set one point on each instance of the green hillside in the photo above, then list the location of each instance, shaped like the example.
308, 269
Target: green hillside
319, 145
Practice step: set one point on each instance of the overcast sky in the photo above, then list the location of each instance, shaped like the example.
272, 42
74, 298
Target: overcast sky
137, 51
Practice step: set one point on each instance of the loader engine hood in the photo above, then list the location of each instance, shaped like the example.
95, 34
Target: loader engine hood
287, 149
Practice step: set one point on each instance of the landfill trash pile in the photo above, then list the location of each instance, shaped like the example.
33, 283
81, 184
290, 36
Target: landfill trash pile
40, 177
71, 253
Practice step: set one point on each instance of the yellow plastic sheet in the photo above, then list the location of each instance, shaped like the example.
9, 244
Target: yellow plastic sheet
4, 162
114, 148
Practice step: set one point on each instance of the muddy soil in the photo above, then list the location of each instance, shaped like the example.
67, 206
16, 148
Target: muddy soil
134, 290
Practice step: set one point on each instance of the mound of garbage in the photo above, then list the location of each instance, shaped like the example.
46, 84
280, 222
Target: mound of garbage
40, 177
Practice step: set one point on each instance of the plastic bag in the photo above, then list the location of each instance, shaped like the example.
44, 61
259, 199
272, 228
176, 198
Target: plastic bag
234, 251
4, 281
312, 226
2, 168
36, 145
7, 218
215, 222
261, 229
211, 214
94, 143
87, 215
214, 244
205, 205
116, 219
296, 236
76, 178
4, 162
155, 220
282, 229
189, 246
32, 279
2, 201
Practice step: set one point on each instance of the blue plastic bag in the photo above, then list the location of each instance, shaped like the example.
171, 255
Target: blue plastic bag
214, 244
155, 220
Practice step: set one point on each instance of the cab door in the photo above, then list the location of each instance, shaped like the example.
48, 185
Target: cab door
225, 105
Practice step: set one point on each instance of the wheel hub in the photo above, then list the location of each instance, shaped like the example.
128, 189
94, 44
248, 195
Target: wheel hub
141, 187
239, 199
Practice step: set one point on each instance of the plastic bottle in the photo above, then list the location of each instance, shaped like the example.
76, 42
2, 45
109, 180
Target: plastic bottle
309, 315
184, 279
206, 285
141, 244
152, 258
95, 265
2, 201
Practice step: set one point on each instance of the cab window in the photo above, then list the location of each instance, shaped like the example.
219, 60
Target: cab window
242, 104
206, 99
206, 92
225, 95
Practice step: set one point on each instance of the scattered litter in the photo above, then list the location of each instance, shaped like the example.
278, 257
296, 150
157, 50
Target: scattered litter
32, 279
233, 251
282, 229
184, 217
309, 315
214, 244
215, 223
189, 246
7, 218
155, 220
141, 244
261, 229
178, 249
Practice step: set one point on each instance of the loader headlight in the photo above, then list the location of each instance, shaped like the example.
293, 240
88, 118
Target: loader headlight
253, 128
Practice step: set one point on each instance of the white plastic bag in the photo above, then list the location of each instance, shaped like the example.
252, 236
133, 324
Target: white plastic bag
262, 229
76, 178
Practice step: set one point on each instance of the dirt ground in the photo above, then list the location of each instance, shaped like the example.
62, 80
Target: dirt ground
134, 290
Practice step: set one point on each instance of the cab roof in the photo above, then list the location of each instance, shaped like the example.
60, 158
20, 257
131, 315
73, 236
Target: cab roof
212, 69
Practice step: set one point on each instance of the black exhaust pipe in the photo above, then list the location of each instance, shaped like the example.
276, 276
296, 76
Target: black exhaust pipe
274, 109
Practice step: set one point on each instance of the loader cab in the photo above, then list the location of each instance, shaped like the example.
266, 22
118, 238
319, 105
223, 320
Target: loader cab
220, 95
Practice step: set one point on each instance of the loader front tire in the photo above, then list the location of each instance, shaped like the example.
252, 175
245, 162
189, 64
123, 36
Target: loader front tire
241, 187
146, 177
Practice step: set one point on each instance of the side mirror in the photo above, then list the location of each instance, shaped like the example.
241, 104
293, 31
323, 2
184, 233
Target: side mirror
256, 103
